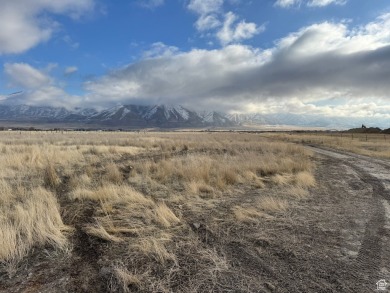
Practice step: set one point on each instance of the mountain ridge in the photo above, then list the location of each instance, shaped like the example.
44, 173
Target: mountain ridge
173, 116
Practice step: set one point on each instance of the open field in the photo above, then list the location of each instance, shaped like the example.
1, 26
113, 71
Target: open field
141, 212
185, 212
370, 144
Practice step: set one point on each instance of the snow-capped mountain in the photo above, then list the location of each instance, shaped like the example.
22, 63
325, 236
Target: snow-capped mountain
118, 116
158, 115
128, 116
43, 113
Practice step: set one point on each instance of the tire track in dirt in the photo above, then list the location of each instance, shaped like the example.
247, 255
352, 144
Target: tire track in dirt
372, 261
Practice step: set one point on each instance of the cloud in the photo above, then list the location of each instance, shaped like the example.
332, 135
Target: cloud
212, 18
70, 70
25, 23
38, 87
207, 22
205, 7
208, 11
159, 49
151, 3
287, 3
322, 3
321, 61
310, 3
25, 76
242, 31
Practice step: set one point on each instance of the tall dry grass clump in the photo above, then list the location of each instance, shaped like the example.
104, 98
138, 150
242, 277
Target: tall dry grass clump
113, 174
50, 176
28, 218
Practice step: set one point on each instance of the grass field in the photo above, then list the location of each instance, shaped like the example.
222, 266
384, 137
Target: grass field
370, 144
143, 212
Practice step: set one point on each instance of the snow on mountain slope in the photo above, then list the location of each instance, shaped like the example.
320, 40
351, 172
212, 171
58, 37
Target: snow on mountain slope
174, 116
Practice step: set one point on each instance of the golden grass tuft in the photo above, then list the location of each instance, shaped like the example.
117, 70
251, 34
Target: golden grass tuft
97, 230
249, 215
164, 216
113, 174
125, 279
154, 247
50, 176
281, 179
298, 192
32, 219
305, 179
111, 192
272, 204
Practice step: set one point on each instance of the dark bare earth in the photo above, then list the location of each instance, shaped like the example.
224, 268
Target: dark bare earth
336, 240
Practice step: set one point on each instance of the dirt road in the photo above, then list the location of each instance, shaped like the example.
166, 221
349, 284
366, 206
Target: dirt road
361, 188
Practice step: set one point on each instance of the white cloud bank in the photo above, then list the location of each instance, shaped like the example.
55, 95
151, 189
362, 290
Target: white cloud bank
322, 61
38, 88
24, 23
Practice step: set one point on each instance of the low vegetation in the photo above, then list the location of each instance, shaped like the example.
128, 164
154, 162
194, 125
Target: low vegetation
149, 212
369, 143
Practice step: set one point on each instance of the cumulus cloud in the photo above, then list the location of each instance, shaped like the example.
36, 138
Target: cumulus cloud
321, 61
225, 26
24, 23
208, 11
230, 32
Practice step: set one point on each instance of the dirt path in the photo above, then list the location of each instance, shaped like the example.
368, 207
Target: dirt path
368, 250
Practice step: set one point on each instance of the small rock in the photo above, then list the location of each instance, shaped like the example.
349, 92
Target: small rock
270, 286
105, 271
196, 225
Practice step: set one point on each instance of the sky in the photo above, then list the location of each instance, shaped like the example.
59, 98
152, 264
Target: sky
318, 57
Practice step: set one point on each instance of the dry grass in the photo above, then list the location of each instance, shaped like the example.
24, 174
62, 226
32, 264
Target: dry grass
249, 215
155, 248
374, 145
123, 280
28, 218
305, 179
97, 230
113, 174
164, 216
50, 176
139, 194
272, 204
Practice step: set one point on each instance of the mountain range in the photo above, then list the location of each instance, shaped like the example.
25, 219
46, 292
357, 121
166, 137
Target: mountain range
165, 116
127, 116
